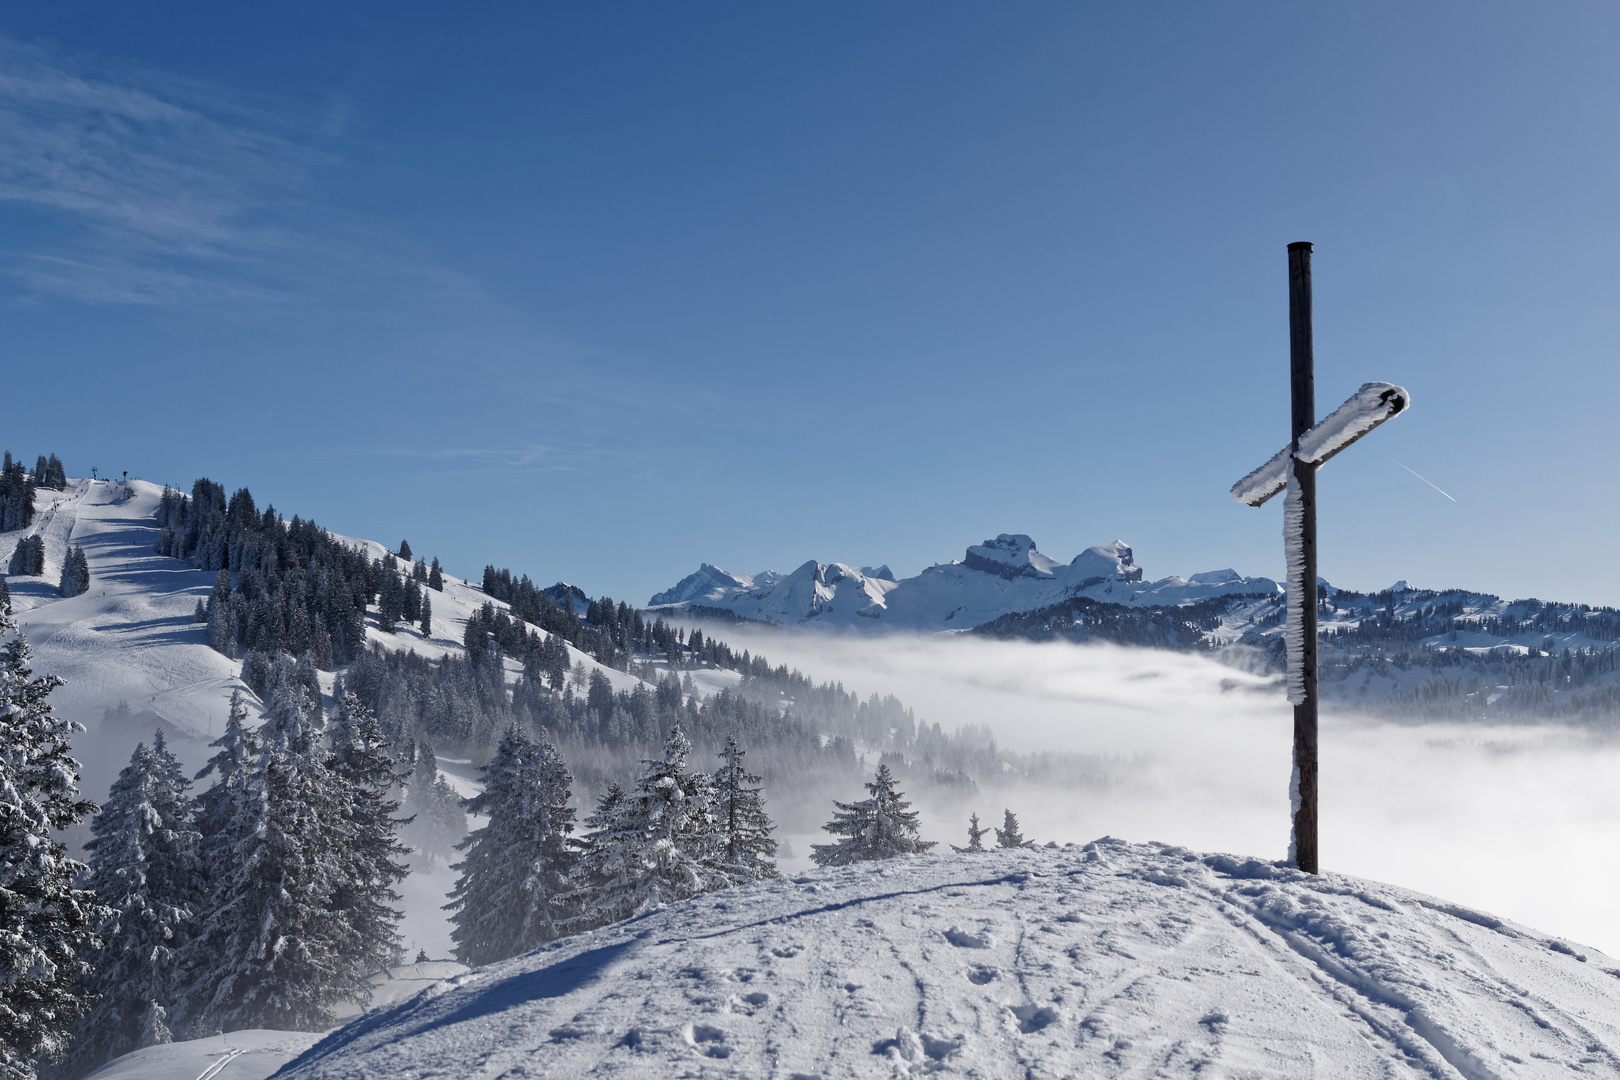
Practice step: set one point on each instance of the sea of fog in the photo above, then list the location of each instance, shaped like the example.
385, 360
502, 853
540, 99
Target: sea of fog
1520, 820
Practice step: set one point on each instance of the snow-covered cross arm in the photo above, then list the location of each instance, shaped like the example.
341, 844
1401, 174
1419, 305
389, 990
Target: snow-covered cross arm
1368, 407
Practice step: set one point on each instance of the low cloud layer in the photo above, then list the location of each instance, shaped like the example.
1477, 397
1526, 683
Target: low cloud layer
1523, 821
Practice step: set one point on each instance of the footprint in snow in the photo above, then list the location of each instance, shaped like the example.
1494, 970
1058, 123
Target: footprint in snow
1032, 1018
707, 1040
979, 974
964, 940
787, 952
919, 1048
748, 1003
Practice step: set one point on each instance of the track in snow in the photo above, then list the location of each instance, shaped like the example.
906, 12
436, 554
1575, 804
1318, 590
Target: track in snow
1109, 960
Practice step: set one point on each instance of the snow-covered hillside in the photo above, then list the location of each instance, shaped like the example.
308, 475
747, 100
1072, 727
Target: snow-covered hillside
135, 660
1113, 959
133, 638
257, 1053
995, 578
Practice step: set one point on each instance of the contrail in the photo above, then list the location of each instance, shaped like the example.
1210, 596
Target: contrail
1425, 479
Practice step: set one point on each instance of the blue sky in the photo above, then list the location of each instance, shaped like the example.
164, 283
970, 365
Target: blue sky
600, 291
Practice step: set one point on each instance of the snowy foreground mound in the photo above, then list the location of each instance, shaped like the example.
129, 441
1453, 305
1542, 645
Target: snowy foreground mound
1112, 959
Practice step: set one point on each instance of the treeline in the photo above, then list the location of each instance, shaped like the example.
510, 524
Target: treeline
293, 589
1400, 653
1408, 646
1184, 628
287, 586
17, 487
270, 898
262, 902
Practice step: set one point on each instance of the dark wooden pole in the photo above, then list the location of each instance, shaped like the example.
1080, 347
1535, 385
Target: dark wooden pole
1302, 377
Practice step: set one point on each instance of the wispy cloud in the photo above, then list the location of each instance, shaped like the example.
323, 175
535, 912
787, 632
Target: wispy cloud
160, 190
529, 458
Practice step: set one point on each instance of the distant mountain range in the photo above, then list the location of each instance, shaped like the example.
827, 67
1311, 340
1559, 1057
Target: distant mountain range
999, 577
1418, 653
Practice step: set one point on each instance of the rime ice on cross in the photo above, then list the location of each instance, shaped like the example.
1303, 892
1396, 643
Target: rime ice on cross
1293, 468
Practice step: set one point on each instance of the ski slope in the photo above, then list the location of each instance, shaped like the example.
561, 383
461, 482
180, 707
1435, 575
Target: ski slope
132, 638
1111, 959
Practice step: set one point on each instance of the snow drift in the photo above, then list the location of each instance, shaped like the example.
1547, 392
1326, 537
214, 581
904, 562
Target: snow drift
1111, 959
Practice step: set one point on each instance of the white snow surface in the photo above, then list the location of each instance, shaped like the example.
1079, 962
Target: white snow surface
1000, 576
242, 1055
1112, 959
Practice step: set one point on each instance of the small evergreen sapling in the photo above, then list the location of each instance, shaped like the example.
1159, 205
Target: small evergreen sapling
976, 835
1008, 835
881, 827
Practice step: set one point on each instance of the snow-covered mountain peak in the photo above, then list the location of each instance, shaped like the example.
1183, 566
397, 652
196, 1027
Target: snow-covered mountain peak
1011, 555
711, 584
1105, 561
1004, 575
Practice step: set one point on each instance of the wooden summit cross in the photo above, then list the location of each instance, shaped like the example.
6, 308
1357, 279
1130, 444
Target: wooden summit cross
1293, 468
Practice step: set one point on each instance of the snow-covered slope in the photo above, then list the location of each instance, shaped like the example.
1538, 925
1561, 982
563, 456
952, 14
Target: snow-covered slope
1109, 960
995, 578
132, 638
242, 1055
258, 1053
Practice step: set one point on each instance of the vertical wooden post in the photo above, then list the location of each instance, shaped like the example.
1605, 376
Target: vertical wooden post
1301, 366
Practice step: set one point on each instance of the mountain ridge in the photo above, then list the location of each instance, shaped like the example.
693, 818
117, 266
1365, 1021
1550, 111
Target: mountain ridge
1001, 576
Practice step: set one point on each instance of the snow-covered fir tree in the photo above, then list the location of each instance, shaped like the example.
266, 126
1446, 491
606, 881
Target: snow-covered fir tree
425, 622
435, 578
145, 865
1008, 835
518, 867
47, 925
976, 835
16, 496
50, 473
365, 920
28, 557
268, 952
437, 819
746, 848
220, 804
75, 572
657, 843
881, 827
